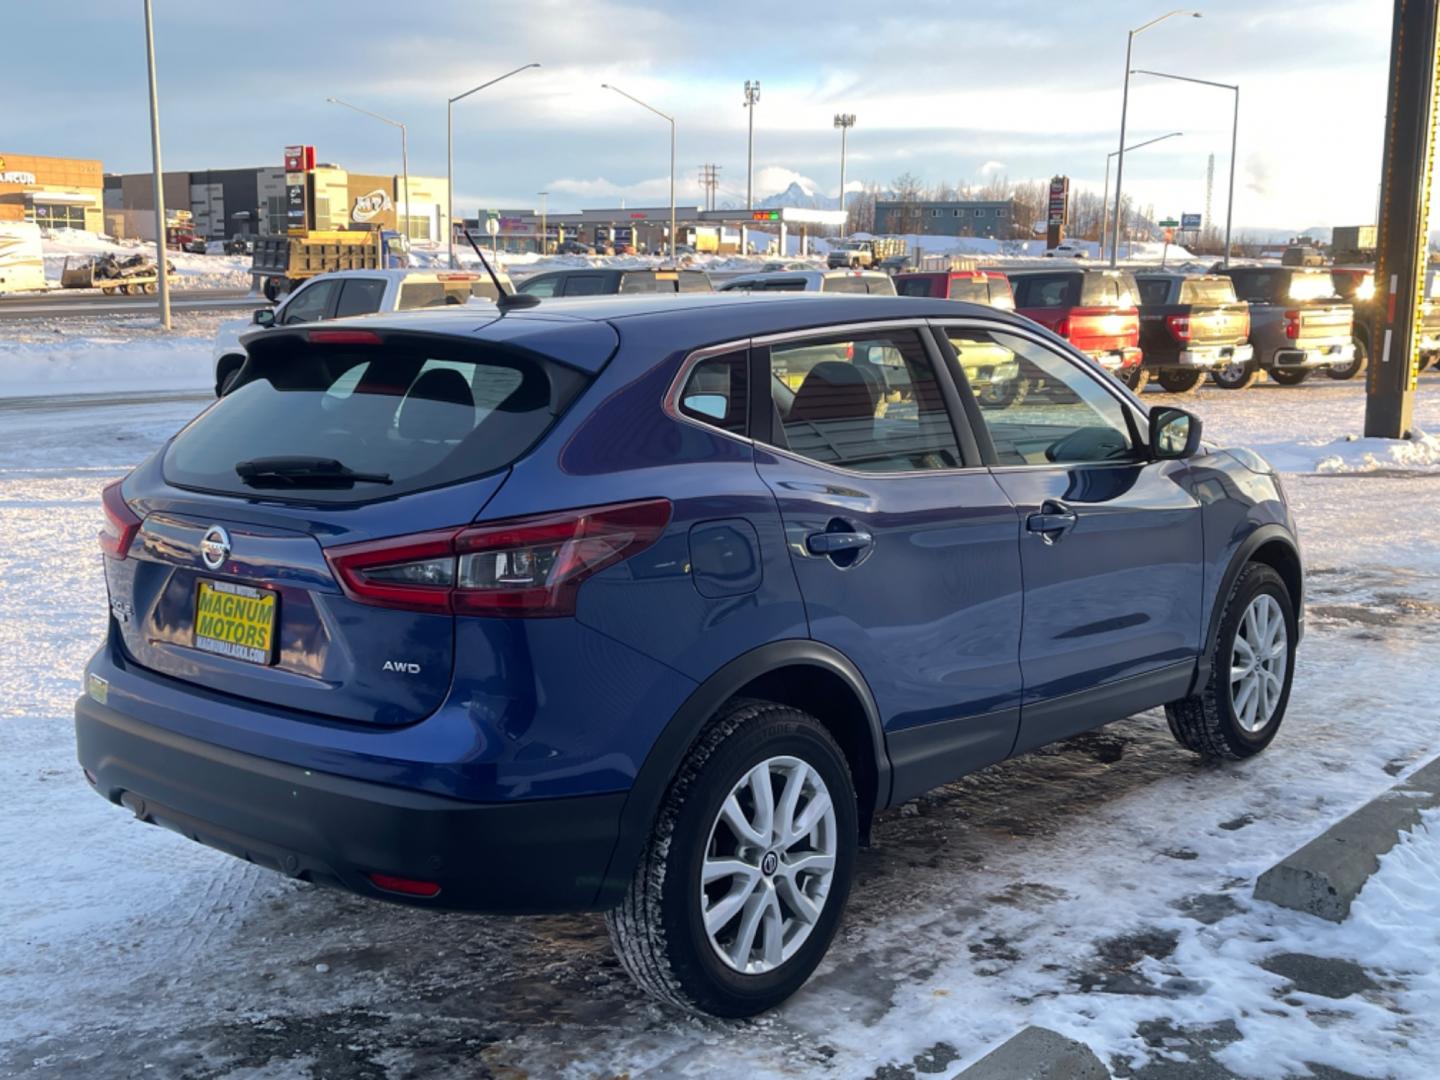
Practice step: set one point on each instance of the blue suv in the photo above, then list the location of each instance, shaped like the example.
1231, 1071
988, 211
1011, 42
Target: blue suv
647, 605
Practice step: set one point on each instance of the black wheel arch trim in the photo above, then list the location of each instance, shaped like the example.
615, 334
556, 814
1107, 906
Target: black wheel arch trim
1258, 538
663, 760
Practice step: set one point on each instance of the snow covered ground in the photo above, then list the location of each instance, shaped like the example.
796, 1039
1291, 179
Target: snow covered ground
1100, 887
196, 271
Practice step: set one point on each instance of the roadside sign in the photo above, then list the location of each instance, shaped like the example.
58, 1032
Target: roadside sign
1190, 221
1058, 209
1169, 236
492, 225
1168, 223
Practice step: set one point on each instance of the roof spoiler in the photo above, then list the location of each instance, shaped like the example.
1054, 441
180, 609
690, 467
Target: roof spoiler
503, 300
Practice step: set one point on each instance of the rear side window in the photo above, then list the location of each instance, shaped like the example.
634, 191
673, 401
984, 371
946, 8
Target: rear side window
693, 282
428, 294
585, 285
715, 393
1108, 290
919, 287
1156, 291
1207, 291
543, 286
360, 296
421, 414
1042, 290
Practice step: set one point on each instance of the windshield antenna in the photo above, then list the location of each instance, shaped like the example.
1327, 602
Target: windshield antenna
503, 300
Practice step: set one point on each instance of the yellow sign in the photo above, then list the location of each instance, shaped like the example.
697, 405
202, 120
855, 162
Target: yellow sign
235, 621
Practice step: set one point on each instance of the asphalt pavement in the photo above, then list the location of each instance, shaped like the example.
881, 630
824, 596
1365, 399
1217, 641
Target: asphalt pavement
66, 302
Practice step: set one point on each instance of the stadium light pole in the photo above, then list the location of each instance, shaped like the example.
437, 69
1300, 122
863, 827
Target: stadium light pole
162, 264
1124, 109
1234, 133
1105, 195
404, 158
671, 120
843, 121
450, 152
752, 95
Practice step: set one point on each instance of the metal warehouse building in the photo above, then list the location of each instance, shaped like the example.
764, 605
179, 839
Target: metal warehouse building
969, 218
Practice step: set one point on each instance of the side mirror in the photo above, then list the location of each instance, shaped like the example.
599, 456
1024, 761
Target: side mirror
1174, 433
263, 317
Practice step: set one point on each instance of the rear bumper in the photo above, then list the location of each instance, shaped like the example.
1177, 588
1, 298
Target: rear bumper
1319, 354
526, 856
1116, 359
1213, 356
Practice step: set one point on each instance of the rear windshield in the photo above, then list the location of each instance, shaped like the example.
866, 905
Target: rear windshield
423, 414
647, 282
844, 285
1154, 291
427, 294
1207, 291
1317, 286
1107, 289
919, 287
1042, 290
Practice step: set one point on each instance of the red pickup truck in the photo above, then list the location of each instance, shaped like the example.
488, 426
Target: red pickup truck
1095, 310
987, 287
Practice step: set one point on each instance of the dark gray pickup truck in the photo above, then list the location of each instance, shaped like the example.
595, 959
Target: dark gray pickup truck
1297, 325
1190, 325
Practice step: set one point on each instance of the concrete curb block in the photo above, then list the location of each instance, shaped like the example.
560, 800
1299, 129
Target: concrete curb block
1037, 1053
1324, 877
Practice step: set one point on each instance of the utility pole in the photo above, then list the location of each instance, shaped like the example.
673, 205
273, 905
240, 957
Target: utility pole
1209, 192
709, 181
544, 224
752, 95
162, 262
671, 121
1403, 240
843, 121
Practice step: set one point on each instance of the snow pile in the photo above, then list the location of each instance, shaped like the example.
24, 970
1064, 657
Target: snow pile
1353, 454
105, 365
196, 271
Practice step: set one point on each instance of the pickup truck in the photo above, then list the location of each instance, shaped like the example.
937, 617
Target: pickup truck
1357, 285
281, 263
1297, 325
864, 254
352, 292
1095, 310
1190, 324
988, 287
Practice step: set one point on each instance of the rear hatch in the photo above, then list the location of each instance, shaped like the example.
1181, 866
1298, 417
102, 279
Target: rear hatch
331, 440
1216, 317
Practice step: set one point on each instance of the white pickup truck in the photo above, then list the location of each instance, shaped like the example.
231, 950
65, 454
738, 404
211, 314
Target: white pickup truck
352, 292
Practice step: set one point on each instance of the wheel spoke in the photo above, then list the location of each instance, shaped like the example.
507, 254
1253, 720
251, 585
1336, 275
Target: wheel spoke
718, 915
764, 795
815, 809
735, 818
755, 905
795, 782
774, 940
809, 862
805, 909
715, 869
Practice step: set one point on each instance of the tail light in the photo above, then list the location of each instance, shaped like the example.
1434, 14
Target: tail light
528, 567
1292, 324
343, 337
1179, 326
1246, 322
1063, 327
121, 523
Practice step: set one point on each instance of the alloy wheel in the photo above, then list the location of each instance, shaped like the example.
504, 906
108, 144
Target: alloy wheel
768, 866
1257, 663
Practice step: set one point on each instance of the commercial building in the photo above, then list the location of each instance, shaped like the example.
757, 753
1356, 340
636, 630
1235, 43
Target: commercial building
964, 218
53, 192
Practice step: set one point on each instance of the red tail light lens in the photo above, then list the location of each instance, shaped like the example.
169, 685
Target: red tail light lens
343, 337
1246, 317
1063, 327
121, 523
408, 886
1179, 326
526, 567
1292, 324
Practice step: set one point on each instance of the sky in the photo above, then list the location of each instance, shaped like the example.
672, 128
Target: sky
953, 92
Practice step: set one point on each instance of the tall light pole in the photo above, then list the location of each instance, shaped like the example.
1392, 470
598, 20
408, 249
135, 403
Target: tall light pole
402, 223
162, 263
1124, 108
450, 152
544, 225
752, 95
671, 119
1105, 195
1234, 134
843, 121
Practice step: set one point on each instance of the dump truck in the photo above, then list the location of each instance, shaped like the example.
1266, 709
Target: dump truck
866, 254
281, 263
1353, 243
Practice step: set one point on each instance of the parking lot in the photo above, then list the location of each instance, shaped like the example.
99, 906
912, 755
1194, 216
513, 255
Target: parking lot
1100, 886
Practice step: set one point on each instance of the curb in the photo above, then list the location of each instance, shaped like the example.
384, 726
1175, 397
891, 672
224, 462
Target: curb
1324, 877
1037, 1053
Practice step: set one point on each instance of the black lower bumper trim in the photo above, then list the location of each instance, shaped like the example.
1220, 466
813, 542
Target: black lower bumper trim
529, 856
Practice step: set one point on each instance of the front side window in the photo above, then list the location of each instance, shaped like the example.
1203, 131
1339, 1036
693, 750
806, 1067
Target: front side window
310, 303
870, 403
715, 392
1038, 407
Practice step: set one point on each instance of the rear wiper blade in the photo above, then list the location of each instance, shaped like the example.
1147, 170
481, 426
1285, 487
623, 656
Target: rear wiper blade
304, 472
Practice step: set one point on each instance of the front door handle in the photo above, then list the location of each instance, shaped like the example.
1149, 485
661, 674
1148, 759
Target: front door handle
829, 543
1053, 521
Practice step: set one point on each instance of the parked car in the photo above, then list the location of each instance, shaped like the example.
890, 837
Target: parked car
1190, 324
536, 613
1297, 325
1356, 285
830, 281
575, 247
1067, 251
601, 281
988, 287
1302, 255
350, 292
1095, 310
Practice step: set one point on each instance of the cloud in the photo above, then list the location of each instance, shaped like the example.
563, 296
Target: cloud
991, 168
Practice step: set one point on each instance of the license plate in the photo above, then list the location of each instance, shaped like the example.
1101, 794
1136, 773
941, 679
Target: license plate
235, 621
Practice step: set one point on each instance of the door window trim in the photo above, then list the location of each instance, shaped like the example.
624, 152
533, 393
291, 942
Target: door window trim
1138, 424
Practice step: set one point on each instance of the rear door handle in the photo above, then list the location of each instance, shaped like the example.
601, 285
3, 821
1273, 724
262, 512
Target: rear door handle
1053, 521
828, 543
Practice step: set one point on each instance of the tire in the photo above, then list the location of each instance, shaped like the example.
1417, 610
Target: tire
1179, 380
1136, 378
659, 931
1355, 367
108, 290
1290, 376
1003, 395
271, 288
124, 290
1237, 376
1208, 722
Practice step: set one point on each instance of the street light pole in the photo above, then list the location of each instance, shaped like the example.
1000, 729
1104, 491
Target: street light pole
544, 225
1105, 195
1234, 135
1124, 109
843, 121
162, 263
450, 153
403, 224
671, 119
